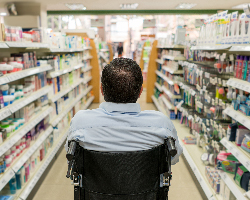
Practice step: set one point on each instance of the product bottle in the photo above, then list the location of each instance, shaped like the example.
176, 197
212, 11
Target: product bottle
23, 178
12, 184
240, 67
8, 158
236, 66
245, 68
18, 180
27, 171
1, 166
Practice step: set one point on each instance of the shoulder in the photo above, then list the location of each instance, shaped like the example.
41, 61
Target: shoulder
84, 117
158, 119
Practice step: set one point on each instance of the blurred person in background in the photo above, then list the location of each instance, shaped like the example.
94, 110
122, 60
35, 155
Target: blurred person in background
120, 50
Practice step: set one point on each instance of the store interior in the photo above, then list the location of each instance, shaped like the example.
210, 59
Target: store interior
195, 62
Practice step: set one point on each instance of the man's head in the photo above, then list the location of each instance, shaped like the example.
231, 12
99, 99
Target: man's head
122, 81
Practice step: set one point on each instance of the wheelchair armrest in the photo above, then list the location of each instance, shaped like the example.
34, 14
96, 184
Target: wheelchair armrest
71, 150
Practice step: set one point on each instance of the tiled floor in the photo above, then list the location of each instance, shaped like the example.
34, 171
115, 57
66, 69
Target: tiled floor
57, 187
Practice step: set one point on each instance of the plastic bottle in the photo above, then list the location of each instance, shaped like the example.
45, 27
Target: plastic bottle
13, 152
236, 66
1, 166
20, 90
18, 150
27, 171
8, 130
5, 89
18, 180
23, 178
240, 66
12, 92
12, 184
4, 133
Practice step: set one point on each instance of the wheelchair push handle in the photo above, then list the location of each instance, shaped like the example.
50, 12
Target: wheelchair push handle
170, 142
71, 150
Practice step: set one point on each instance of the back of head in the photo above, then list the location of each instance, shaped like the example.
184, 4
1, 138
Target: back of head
122, 81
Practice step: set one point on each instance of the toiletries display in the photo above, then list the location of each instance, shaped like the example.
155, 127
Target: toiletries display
27, 108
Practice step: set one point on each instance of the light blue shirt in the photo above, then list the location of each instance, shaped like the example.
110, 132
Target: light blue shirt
118, 127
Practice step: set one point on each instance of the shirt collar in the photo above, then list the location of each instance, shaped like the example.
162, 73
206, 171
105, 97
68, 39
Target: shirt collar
121, 107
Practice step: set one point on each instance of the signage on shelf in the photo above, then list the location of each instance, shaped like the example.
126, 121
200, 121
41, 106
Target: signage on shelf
149, 23
99, 23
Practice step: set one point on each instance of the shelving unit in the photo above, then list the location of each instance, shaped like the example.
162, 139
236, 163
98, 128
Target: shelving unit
239, 84
158, 86
171, 70
18, 104
170, 94
170, 57
213, 47
44, 112
22, 74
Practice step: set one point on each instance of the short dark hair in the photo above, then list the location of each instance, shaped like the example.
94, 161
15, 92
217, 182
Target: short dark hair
122, 81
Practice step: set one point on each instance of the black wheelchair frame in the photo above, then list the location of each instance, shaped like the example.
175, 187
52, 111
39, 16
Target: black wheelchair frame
74, 172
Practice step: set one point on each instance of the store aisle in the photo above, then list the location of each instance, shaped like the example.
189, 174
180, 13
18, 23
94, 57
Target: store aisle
56, 186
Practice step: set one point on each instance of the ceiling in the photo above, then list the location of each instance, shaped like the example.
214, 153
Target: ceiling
143, 4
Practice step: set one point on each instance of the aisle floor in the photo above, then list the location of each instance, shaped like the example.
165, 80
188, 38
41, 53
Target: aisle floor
57, 187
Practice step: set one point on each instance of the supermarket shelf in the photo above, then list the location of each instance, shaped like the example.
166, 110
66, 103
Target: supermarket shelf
170, 94
17, 135
18, 104
145, 59
104, 50
238, 116
239, 84
65, 91
192, 154
238, 152
213, 47
160, 61
27, 45
157, 104
87, 69
89, 101
88, 57
26, 190
58, 118
171, 47
172, 71
104, 57
236, 190
165, 78
87, 48
167, 103
169, 57
3, 45
17, 164
240, 48
22, 74
159, 87
86, 80
65, 50
148, 48
32, 149
64, 71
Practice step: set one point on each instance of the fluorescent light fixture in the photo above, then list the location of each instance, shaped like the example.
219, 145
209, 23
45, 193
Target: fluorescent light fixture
3, 14
75, 6
241, 6
185, 6
129, 6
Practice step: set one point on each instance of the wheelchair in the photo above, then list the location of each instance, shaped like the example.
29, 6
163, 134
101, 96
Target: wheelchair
139, 175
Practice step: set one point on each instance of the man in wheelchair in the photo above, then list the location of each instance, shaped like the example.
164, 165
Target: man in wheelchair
118, 152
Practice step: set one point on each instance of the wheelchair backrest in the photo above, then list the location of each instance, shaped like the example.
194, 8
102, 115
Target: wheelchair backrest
133, 175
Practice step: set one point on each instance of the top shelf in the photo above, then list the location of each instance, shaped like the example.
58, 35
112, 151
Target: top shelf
245, 48
171, 47
37, 45
212, 47
104, 50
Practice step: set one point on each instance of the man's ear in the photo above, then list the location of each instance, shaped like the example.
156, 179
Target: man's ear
101, 90
141, 91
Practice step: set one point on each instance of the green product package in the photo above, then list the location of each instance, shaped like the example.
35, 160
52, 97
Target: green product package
239, 174
230, 164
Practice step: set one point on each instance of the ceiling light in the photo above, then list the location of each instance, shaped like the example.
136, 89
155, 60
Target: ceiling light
75, 6
186, 6
3, 14
129, 6
241, 6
